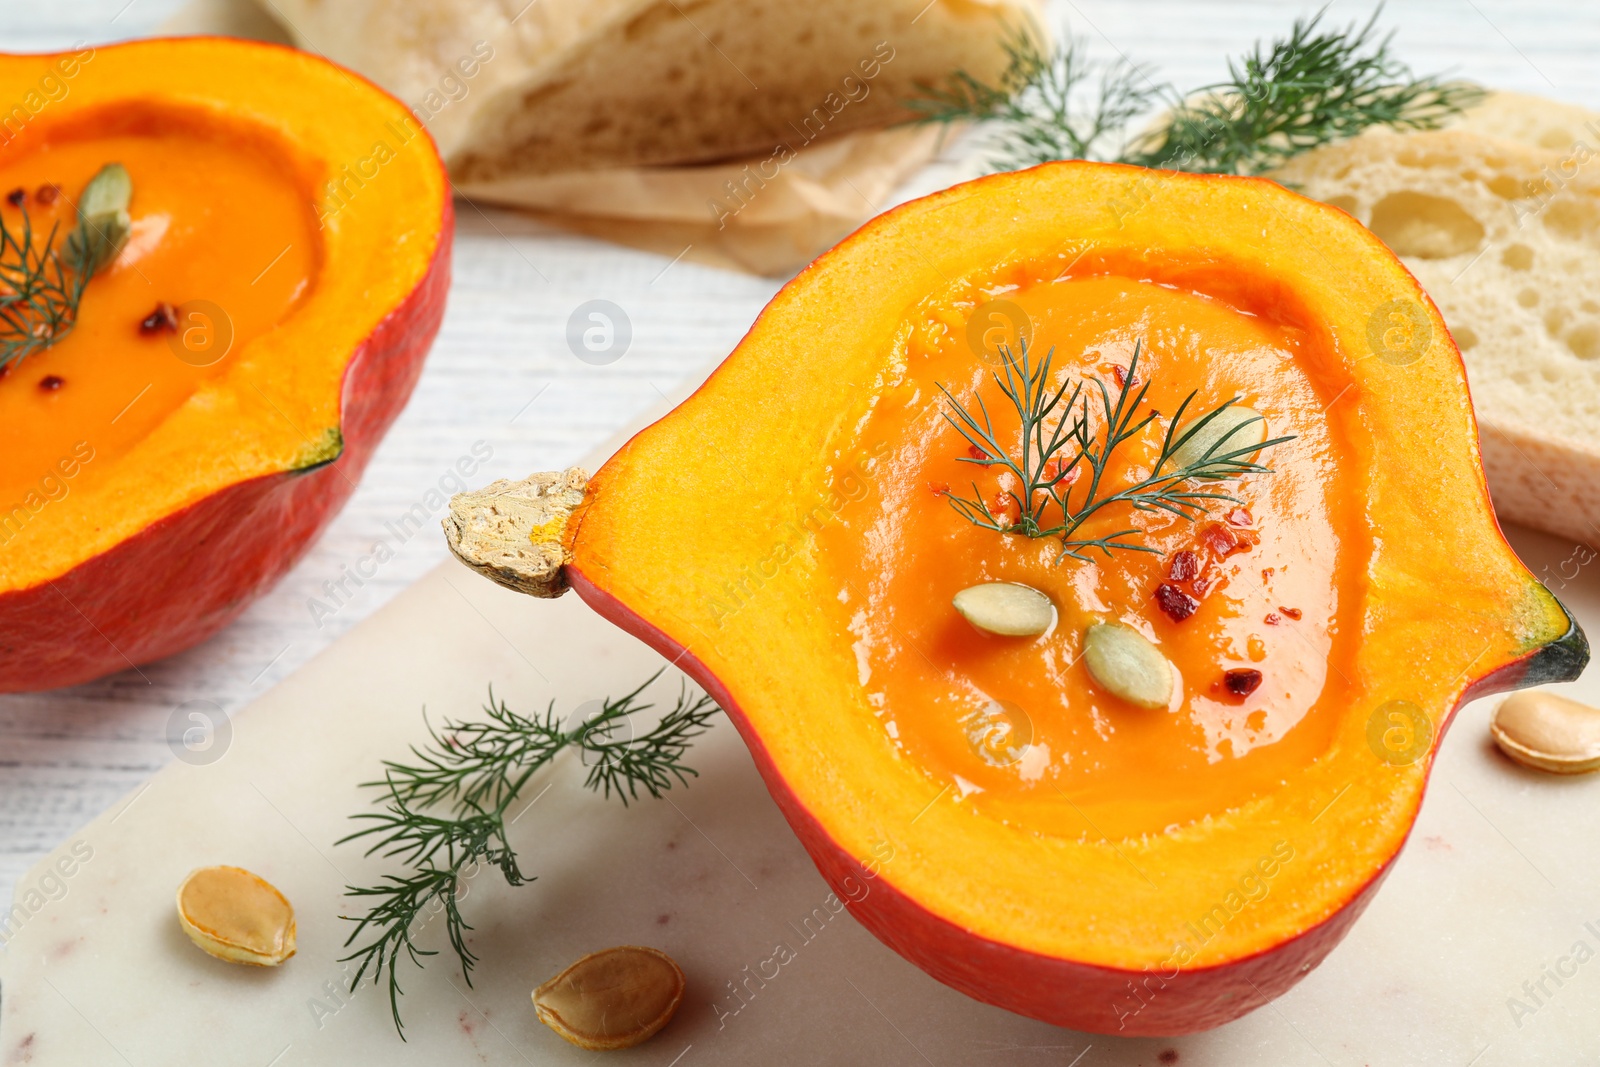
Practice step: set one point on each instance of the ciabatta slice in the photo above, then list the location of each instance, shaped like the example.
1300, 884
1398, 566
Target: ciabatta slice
1550, 125
1506, 240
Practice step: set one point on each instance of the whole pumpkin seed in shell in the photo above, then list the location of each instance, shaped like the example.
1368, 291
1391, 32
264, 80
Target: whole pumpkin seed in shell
611, 999
236, 916
1550, 732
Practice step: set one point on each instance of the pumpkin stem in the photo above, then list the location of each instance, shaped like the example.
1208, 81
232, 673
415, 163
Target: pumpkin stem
515, 533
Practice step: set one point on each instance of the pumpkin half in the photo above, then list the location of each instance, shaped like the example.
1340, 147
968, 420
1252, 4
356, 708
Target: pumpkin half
232, 369
989, 810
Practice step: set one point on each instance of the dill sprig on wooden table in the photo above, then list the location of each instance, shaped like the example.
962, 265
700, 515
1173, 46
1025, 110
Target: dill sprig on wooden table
1046, 469
1315, 87
42, 286
473, 771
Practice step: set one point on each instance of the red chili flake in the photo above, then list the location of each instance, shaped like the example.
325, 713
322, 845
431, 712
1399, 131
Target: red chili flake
1241, 681
163, 318
976, 453
16, 196
1223, 541
938, 488
1240, 517
1267, 573
1004, 509
1203, 585
46, 194
51, 382
1185, 566
1055, 475
1293, 613
1272, 618
1177, 604
1120, 373
1218, 538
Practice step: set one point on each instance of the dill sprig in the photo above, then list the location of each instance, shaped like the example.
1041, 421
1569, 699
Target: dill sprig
1312, 88
1037, 106
39, 294
41, 285
1316, 87
473, 771
1047, 467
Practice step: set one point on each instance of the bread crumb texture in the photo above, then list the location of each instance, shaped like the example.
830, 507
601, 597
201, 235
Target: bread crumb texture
1499, 219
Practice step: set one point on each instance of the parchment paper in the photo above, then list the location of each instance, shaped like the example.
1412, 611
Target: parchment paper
767, 215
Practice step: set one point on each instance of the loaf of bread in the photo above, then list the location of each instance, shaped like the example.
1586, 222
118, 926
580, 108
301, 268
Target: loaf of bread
1499, 219
516, 88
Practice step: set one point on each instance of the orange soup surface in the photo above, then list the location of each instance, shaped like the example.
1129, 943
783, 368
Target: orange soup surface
1016, 727
222, 231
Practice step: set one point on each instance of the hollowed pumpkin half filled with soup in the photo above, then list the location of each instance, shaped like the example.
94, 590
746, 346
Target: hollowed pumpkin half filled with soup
183, 413
1116, 748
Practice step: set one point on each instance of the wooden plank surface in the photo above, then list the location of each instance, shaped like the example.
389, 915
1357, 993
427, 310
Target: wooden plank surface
501, 373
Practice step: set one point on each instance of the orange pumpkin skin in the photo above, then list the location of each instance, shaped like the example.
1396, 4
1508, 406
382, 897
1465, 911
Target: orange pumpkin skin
178, 580
646, 553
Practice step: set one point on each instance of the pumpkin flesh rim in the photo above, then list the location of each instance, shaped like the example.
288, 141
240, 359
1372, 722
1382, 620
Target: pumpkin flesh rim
626, 545
1051, 988
292, 376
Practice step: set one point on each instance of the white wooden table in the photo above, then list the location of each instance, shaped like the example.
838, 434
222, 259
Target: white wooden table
501, 371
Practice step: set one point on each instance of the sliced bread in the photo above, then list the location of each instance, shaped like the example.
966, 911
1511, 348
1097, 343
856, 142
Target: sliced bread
1533, 121
532, 87
1505, 237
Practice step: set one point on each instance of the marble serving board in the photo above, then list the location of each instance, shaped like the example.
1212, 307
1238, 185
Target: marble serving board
1478, 950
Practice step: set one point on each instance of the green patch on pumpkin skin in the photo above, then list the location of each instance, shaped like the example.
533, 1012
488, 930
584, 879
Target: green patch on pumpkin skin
1547, 643
1556, 647
319, 453
1541, 619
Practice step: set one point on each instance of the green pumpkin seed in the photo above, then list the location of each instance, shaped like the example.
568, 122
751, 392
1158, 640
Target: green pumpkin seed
109, 191
1229, 430
1126, 665
103, 220
1008, 609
